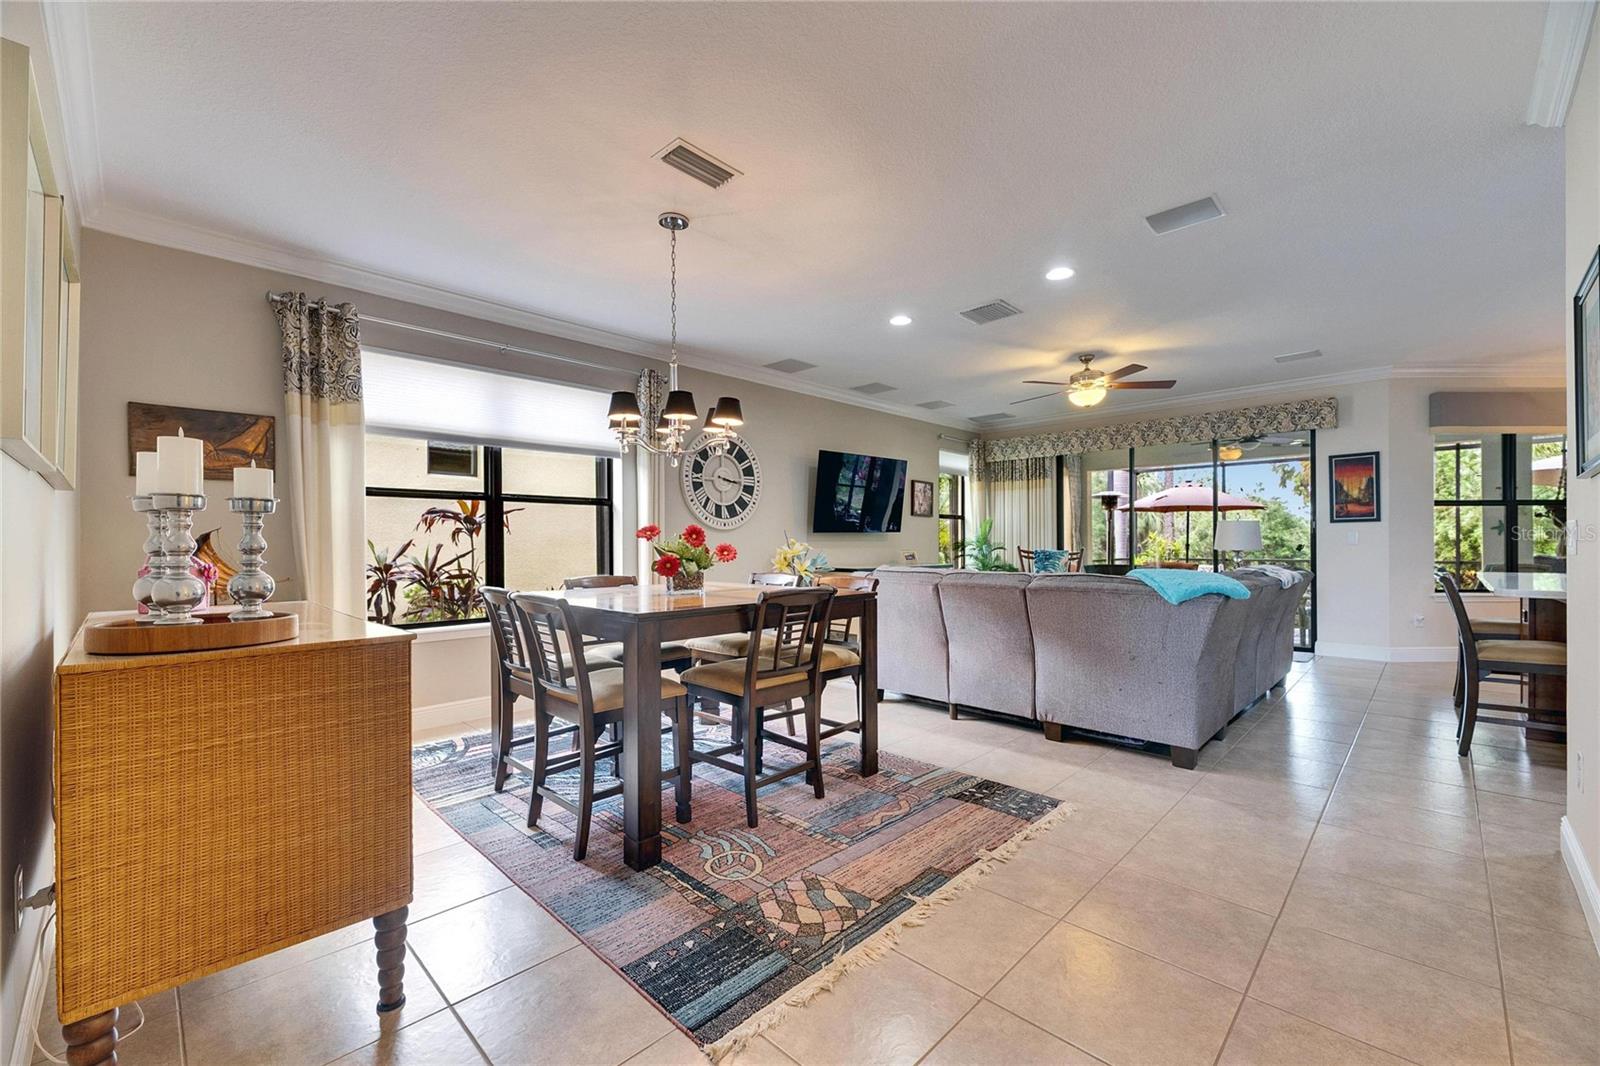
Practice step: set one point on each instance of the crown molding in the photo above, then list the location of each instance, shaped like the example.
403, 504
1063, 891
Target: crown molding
1566, 36
66, 28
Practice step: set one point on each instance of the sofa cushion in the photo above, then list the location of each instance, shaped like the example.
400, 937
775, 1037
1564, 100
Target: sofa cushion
912, 651
991, 644
1050, 561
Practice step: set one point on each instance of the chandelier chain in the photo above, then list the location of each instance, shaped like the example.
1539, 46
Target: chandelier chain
674, 272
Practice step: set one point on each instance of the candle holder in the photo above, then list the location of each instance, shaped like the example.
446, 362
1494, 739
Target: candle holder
175, 592
145, 583
252, 586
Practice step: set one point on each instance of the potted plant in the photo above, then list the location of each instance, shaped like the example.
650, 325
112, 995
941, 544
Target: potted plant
984, 554
684, 561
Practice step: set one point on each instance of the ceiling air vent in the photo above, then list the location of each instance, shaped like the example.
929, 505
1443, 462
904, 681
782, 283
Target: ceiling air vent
681, 155
1295, 357
872, 388
990, 312
935, 405
791, 366
989, 420
1176, 218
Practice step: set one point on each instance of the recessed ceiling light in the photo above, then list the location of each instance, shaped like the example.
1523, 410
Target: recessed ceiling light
1059, 273
900, 320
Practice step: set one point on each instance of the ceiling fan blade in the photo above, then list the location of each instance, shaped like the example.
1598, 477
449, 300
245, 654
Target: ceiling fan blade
1141, 384
1131, 368
1041, 396
1032, 381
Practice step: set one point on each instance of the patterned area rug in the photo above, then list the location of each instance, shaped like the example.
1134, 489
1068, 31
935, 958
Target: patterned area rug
737, 924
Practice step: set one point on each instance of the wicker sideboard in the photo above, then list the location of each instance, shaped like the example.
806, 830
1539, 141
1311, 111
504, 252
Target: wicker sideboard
217, 806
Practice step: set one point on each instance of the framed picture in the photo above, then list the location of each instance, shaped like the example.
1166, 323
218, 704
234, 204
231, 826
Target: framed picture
1586, 378
921, 499
38, 287
231, 440
1353, 487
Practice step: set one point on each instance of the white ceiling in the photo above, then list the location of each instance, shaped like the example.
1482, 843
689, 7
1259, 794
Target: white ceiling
1385, 202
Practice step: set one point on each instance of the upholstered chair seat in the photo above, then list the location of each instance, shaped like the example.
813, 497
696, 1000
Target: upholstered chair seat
606, 686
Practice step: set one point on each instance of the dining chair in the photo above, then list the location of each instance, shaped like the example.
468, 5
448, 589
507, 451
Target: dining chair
1026, 557
514, 678
841, 651
721, 647
674, 655
790, 668
593, 701
1075, 561
1480, 658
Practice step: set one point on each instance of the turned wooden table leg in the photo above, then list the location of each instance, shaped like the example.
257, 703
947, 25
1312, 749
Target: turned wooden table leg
92, 1041
390, 940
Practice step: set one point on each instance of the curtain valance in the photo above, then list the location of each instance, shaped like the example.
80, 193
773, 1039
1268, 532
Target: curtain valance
1009, 458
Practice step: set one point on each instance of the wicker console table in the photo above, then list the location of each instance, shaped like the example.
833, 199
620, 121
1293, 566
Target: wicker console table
216, 806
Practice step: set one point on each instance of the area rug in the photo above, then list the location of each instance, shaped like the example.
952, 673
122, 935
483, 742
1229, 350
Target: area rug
736, 925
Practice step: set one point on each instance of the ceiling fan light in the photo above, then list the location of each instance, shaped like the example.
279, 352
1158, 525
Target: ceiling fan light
1086, 395
1230, 452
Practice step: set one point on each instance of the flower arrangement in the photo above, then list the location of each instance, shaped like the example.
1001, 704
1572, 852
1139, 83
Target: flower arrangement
684, 561
800, 559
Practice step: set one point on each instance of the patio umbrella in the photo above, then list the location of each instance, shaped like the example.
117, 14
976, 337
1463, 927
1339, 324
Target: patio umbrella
1548, 471
1189, 496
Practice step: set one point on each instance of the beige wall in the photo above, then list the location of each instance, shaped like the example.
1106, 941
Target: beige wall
38, 615
1582, 844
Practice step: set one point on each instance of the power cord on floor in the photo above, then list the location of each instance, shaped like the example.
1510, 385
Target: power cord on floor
38, 960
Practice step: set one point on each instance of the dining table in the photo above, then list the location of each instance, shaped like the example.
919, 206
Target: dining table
643, 617
1543, 596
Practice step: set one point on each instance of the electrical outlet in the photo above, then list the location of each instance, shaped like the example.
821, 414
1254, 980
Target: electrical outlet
1416, 621
16, 902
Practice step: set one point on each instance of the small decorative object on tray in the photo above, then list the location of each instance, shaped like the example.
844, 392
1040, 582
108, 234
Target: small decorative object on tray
210, 630
252, 501
684, 561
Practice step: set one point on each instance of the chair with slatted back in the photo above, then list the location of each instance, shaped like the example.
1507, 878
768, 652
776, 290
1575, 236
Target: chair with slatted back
1075, 561
1026, 557
674, 655
841, 654
514, 678
789, 668
1480, 658
593, 701
721, 647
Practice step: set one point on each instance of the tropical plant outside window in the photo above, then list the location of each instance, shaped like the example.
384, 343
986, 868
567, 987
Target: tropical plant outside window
952, 519
517, 517
1499, 504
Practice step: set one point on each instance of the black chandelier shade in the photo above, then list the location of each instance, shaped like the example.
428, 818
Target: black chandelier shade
624, 408
680, 406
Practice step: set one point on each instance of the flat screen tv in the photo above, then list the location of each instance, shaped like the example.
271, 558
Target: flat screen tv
858, 493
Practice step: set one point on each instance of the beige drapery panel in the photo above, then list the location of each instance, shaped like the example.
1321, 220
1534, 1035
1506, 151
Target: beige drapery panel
1022, 507
322, 462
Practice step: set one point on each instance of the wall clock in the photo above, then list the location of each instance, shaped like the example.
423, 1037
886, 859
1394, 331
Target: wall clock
721, 485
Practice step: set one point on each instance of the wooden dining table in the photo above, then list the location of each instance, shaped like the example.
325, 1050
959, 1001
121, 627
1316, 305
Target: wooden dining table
643, 617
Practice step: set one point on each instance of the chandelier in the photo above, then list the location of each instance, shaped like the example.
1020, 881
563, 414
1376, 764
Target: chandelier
671, 427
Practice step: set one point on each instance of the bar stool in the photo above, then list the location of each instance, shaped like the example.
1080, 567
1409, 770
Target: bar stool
674, 655
724, 646
841, 653
592, 701
1480, 658
514, 678
789, 669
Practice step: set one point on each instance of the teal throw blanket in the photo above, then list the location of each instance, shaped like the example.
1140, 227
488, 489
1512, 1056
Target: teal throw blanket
1175, 586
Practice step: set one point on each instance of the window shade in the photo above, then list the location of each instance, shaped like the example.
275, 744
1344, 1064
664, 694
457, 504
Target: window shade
1500, 411
446, 401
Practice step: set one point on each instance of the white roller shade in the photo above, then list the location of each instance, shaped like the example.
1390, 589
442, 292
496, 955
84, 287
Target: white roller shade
447, 401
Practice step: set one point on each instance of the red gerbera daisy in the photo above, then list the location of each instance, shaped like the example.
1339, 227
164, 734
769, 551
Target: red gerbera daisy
694, 536
668, 565
725, 553
650, 532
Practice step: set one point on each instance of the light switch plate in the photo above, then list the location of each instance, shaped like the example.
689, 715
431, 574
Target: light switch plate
1352, 536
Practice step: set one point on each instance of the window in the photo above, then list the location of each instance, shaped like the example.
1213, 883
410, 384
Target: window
952, 519
1499, 504
524, 518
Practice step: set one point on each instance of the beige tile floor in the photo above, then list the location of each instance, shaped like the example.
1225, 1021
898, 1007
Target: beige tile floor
1332, 885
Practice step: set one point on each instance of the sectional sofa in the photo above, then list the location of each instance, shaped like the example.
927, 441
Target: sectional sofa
1085, 651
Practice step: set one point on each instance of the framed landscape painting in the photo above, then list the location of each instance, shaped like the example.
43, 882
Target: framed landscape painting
1586, 376
1353, 487
231, 440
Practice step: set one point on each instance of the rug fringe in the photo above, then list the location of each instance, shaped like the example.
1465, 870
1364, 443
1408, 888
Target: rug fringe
878, 944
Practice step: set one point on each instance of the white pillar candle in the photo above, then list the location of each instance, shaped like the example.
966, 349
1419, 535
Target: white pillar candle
250, 483
144, 475
180, 465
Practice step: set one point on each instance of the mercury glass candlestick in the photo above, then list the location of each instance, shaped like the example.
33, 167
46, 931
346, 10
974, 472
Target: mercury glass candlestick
145, 583
176, 592
252, 586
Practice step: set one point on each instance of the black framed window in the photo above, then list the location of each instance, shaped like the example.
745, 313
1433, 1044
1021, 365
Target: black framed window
517, 517
1499, 504
952, 519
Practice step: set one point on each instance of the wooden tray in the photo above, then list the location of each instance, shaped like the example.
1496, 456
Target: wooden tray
138, 637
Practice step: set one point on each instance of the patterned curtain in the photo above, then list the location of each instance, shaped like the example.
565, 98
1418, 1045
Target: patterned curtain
1022, 505
323, 453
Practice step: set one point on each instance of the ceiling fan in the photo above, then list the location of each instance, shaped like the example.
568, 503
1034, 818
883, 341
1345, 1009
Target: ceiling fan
1088, 387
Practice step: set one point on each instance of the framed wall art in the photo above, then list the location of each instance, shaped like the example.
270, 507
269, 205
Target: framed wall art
1353, 494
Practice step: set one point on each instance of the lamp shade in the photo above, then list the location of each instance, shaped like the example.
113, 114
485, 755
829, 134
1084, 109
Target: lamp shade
624, 408
680, 406
727, 412
1240, 535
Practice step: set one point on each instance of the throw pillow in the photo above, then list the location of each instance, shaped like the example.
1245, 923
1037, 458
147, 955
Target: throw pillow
1049, 561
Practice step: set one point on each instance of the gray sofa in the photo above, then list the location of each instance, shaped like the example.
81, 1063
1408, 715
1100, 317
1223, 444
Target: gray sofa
1085, 651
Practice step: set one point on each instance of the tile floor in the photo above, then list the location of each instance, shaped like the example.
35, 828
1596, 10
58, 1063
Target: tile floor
1332, 885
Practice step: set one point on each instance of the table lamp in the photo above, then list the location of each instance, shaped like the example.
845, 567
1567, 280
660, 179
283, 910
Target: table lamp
1239, 535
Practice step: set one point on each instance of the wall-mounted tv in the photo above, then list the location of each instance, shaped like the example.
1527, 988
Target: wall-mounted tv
858, 493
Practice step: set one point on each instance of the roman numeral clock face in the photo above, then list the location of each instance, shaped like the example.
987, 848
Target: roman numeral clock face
722, 486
